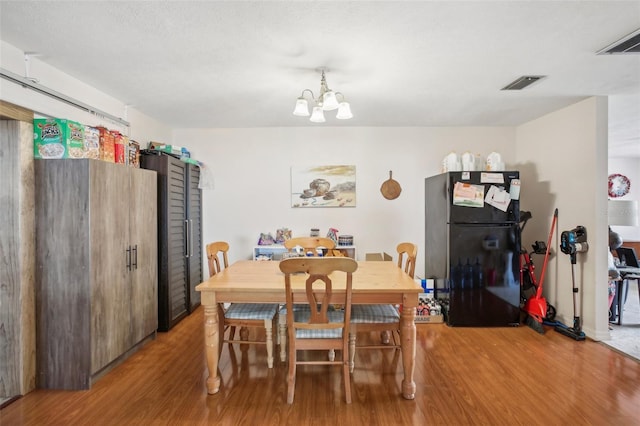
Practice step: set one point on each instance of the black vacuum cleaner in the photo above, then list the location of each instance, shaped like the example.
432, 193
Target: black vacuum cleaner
571, 243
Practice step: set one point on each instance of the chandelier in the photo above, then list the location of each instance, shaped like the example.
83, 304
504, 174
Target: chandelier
327, 100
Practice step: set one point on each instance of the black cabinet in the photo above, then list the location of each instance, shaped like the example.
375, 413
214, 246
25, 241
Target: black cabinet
179, 236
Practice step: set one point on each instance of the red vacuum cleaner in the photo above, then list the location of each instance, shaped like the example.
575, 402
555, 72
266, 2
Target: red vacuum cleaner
536, 306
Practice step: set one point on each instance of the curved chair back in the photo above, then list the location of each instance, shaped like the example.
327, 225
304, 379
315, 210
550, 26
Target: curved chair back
321, 327
409, 250
213, 250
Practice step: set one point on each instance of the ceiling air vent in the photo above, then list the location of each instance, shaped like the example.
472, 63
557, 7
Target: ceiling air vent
628, 44
522, 82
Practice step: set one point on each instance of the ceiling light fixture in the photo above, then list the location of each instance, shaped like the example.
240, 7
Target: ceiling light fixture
327, 100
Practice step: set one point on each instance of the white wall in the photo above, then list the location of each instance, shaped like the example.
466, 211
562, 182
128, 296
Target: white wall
142, 128
560, 156
562, 160
251, 170
629, 167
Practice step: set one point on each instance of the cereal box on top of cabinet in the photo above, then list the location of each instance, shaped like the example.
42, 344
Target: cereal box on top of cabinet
91, 143
107, 145
134, 153
121, 144
57, 138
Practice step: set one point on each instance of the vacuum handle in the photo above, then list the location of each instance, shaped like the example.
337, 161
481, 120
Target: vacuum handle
546, 254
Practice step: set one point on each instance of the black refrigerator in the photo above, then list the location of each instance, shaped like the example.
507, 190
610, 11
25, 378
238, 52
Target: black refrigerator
472, 246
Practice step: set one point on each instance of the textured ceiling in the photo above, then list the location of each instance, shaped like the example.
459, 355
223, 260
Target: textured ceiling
399, 63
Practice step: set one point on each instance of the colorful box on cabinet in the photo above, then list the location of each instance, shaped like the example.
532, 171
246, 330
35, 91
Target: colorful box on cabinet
133, 152
92, 142
57, 138
120, 147
107, 145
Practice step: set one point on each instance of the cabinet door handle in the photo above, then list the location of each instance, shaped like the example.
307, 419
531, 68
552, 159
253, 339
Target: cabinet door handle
129, 258
135, 257
186, 235
191, 238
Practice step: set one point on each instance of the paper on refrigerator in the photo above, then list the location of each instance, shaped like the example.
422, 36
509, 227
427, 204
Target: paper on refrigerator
468, 195
498, 198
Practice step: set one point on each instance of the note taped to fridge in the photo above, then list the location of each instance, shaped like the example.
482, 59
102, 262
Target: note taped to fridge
467, 195
491, 177
498, 198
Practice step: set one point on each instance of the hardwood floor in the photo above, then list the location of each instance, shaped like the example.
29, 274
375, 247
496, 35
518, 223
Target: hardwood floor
464, 376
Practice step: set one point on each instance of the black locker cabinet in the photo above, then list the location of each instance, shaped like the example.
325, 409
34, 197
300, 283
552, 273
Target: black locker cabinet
179, 236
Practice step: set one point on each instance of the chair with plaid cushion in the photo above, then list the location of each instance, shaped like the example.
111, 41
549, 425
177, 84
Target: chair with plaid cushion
243, 314
306, 244
321, 327
382, 318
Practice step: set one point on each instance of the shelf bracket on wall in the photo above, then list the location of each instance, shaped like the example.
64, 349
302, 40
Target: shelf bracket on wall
29, 83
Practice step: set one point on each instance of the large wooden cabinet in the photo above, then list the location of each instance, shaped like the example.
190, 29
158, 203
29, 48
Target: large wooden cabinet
179, 236
96, 285
17, 250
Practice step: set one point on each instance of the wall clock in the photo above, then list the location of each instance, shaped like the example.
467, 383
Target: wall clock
618, 185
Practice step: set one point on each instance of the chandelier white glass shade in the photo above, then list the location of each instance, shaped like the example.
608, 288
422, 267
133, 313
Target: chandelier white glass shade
327, 100
317, 116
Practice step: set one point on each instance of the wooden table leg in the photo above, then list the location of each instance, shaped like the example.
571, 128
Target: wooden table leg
408, 336
212, 346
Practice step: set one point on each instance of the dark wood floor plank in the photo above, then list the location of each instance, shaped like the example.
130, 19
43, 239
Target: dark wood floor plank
484, 376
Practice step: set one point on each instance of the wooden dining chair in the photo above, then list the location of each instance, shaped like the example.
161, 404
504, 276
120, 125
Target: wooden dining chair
243, 314
409, 250
308, 244
382, 318
321, 327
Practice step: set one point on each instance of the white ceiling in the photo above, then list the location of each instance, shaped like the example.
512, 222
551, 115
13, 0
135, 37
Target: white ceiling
399, 63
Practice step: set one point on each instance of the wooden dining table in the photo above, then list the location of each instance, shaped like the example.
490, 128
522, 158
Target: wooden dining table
249, 281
